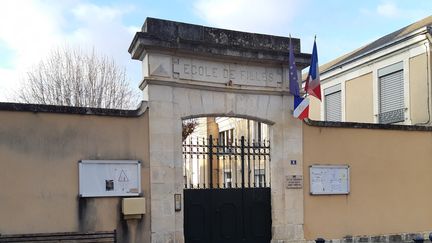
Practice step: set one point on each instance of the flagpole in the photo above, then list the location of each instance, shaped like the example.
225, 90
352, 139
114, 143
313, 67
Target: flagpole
306, 95
306, 92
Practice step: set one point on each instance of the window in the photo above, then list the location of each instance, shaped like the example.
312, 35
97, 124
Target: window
226, 140
391, 94
332, 103
226, 137
221, 140
257, 133
259, 176
228, 179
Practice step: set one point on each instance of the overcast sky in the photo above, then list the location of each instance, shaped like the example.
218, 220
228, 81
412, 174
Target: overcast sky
29, 29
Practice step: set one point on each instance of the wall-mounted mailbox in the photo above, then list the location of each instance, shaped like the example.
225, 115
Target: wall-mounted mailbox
133, 208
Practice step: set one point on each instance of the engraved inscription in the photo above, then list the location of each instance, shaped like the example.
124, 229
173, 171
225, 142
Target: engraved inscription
199, 70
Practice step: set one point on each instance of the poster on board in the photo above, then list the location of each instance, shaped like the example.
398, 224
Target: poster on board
329, 179
109, 178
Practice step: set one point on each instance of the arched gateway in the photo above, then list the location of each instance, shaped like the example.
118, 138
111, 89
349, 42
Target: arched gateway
194, 71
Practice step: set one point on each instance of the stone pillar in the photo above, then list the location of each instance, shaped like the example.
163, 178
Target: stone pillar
287, 204
166, 167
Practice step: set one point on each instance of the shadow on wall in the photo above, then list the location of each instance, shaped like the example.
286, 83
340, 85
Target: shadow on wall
89, 218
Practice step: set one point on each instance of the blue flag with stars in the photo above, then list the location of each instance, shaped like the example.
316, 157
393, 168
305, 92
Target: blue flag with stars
292, 73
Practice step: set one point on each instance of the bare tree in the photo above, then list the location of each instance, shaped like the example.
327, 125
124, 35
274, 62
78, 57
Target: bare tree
72, 77
188, 127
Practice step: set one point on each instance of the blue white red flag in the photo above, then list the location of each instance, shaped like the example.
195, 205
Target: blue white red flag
301, 107
292, 73
312, 86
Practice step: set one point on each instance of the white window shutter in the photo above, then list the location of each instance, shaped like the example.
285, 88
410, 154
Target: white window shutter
332, 103
391, 97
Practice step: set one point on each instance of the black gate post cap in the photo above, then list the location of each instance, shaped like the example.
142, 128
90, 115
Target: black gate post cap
320, 240
419, 239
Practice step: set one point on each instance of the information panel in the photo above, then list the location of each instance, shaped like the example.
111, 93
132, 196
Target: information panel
329, 179
109, 178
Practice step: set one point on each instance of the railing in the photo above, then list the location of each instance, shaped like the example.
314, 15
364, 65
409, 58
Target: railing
238, 163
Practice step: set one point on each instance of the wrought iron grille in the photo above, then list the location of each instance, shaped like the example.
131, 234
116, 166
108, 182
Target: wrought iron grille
392, 116
234, 163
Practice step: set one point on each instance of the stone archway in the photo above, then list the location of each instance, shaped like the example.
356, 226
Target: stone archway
191, 70
227, 178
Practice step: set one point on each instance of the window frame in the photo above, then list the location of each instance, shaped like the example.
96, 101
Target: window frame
386, 71
331, 91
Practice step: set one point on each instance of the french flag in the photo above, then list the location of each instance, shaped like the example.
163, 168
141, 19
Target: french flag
312, 86
301, 107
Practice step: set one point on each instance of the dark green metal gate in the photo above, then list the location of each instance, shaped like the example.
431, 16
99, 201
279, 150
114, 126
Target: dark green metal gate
227, 195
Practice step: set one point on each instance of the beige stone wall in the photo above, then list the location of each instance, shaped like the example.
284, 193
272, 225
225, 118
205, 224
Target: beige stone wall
359, 99
39, 154
390, 182
419, 90
314, 108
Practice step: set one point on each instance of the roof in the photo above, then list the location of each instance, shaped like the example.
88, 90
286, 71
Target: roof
404, 32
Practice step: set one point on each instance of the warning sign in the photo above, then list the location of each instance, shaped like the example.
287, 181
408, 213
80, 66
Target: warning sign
123, 177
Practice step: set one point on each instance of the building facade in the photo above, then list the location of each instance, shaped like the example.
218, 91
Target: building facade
226, 133
386, 81
369, 184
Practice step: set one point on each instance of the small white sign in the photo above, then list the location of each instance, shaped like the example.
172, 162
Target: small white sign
294, 181
329, 179
109, 178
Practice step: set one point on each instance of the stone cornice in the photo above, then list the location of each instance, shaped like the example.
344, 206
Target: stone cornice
366, 125
205, 41
36, 108
232, 89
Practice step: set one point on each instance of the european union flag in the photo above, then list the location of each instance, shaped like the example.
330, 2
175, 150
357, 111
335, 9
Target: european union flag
292, 73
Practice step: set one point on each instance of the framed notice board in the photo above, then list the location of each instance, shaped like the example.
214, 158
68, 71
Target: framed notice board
329, 179
109, 178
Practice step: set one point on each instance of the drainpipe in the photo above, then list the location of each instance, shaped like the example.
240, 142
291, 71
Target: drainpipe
428, 33
428, 66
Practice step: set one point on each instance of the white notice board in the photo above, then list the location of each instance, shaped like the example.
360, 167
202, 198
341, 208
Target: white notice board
109, 178
329, 179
